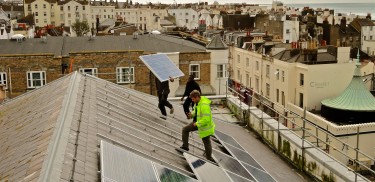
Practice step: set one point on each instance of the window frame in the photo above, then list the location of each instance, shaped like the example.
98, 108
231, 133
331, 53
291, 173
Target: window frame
223, 72
4, 79
301, 79
94, 71
120, 72
191, 72
31, 81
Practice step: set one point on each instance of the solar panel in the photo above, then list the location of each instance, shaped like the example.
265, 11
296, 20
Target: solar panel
118, 164
232, 165
206, 171
166, 174
228, 139
237, 178
161, 66
243, 156
258, 174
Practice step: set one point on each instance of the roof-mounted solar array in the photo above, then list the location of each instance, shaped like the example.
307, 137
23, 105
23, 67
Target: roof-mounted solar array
241, 160
118, 164
161, 66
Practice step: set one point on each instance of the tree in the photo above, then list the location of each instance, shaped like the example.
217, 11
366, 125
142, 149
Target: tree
80, 28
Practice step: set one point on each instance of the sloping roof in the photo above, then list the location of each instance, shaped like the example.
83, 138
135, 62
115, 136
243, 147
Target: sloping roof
216, 43
62, 46
52, 133
39, 131
355, 97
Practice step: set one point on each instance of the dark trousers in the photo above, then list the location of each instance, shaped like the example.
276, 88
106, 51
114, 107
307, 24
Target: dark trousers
187, 104
206, 140
164, 102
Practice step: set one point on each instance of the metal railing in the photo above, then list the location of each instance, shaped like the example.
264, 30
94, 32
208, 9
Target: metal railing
328, 138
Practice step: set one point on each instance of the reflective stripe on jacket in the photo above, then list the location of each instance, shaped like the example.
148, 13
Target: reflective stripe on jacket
206, 126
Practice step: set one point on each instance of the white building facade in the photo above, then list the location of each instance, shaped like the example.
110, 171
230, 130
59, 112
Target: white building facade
185, 17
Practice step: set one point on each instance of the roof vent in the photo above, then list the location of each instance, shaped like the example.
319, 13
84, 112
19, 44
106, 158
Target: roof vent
135, 35
44, 39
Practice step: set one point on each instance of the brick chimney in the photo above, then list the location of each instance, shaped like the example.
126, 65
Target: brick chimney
343, 24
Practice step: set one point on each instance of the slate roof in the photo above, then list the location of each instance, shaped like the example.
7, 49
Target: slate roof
322, 57
43, 129
216, 43
62, 46
52, 133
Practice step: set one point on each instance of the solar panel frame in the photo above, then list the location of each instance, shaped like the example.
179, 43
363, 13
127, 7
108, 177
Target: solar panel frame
161, 66
205, 171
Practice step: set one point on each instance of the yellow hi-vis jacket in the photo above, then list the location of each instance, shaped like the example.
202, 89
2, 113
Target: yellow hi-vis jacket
206, 126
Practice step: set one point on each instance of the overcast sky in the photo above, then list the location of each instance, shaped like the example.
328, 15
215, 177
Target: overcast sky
255, 1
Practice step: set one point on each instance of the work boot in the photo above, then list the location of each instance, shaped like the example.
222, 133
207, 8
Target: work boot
184, 148
172, 110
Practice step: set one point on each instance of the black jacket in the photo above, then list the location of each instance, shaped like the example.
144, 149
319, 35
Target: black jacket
190, 86
162, 87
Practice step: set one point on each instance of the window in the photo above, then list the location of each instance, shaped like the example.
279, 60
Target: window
140, 18
277, 95
69, 15
287, 31
257, 84
283, 98
194, 69
36, 6
125, 75
238, 59
76, 8
282, 76
268, 71
186, 14
301, 100
186, 20
68, 8
36, 21
83, 8
257, 65
90, 71
238, 75
247, 62
301, 78
193, 17
36, 79
277, 74
61, 8
221, 71
267, 90
45, 13
370, 37
36, 13
3, 79
364, 37
44, 6
247, 80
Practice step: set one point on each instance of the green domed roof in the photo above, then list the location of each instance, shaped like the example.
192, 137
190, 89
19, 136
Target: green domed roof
355, 97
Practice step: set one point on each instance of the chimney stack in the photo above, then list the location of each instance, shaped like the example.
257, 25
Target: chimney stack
343, 24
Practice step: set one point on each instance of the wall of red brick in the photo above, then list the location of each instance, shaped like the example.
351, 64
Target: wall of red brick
17, 66
105, 62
